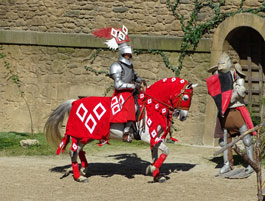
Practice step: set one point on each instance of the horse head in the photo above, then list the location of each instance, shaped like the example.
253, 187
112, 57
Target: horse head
174, 93
181, 98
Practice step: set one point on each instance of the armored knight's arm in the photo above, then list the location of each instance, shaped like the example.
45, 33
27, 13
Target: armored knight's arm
137, 78
115, 74
239, 90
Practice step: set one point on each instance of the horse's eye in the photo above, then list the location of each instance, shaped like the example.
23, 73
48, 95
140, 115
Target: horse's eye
185, 97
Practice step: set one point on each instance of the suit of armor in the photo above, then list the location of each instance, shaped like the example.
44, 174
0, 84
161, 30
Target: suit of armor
237, 100
235, 106
126, 81
123, 76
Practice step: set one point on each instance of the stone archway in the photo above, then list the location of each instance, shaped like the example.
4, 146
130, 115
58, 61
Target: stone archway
246, 46
226, 38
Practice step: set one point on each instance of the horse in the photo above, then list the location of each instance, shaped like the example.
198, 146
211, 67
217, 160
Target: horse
88, 121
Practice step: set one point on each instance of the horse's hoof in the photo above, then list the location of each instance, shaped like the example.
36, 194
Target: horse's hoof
83, 171
82, 179
160, 179
127, 138
150, 169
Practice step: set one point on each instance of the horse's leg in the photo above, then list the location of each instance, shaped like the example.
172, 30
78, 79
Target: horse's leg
154, 154
157, 162
74, 152
127, 134
83, 160
82, 157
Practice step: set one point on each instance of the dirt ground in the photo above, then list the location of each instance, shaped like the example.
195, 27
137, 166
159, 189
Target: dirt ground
120, 175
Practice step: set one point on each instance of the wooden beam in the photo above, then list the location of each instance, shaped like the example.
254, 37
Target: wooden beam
246, 158
261, 90
258, 159
239, 138
249, 90
253, 67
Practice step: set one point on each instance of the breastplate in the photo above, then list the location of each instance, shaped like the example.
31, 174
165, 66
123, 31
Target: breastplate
127, 73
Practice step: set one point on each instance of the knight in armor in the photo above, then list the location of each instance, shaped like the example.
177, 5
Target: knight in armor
236, 119
126, 83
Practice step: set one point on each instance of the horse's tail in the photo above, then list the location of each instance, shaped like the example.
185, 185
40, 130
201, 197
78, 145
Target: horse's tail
54, 122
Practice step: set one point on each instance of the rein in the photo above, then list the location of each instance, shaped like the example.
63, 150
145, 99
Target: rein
165, 104
180, 96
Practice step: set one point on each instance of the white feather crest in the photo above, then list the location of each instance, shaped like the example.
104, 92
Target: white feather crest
112, 44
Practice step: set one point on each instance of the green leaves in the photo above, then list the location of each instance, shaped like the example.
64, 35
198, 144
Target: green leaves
193, 31
96, 72
11, 75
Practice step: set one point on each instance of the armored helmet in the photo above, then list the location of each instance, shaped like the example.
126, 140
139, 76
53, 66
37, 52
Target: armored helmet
125, 49
224, 63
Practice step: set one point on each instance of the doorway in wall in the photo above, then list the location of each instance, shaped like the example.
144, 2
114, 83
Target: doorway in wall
246, 46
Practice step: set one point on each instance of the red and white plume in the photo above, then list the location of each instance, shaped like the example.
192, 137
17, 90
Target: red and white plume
116, 36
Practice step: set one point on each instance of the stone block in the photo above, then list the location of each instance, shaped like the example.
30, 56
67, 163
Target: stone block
120, 9
72, 13
29, 143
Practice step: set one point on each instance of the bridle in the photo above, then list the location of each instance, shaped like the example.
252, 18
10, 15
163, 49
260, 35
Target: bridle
180, 98
161, 102
171, 108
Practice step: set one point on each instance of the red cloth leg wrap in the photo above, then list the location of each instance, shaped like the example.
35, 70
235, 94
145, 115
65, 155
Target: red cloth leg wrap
156, 173
83, 160
160, 160
76, 170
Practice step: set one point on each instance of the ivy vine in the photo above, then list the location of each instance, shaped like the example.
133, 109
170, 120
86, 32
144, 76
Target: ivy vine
193, 31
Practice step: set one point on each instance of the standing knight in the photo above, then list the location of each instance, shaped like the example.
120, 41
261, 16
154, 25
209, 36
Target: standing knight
126, 82
235, 119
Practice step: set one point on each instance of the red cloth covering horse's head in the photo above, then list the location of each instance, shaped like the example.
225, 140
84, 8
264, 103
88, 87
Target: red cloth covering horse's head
160, 99
175, 92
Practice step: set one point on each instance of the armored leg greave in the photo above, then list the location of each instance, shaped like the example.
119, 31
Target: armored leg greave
227, 165
247, 140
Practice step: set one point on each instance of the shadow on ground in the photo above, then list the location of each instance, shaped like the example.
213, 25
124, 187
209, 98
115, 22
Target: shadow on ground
237, 161
128, 165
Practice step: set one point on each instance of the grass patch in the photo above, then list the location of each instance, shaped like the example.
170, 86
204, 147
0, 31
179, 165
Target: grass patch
10, 146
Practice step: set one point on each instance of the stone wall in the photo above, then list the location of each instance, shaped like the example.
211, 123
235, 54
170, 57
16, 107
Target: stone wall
151, 17
54, 73
51, 75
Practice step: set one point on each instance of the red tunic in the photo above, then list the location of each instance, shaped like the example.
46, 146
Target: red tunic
122, 107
